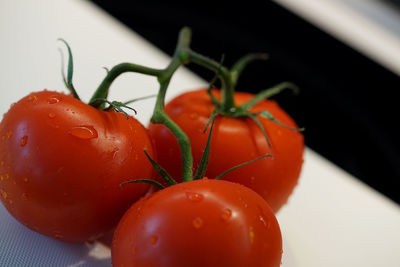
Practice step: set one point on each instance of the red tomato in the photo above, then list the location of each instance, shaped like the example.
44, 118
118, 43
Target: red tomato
61, 163
198, 223
234, 141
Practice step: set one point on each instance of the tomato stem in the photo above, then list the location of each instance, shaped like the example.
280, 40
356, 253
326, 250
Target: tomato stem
241, 165
268, 93
70, 70
184, 55
227, 81
104, 87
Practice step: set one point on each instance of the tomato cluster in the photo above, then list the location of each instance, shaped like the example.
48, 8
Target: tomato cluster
71, 170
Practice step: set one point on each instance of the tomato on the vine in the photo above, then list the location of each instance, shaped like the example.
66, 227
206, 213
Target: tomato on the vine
234, 141
200, 223
61, 163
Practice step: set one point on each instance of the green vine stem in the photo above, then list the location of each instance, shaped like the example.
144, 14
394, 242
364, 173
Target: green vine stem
183, 55
164, 77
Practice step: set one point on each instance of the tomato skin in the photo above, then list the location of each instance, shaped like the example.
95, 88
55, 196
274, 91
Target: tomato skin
62, 162
199, 223
234, 141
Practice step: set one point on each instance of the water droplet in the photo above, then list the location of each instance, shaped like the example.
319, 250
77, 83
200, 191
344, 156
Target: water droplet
2, 163
58, 235
194, 197
226, 214
262, 220
198, 222
26, 179
24, 141
52, 115
251, 234
24, 196
10, 201
33, 98
243, 202
252, 179
3, 194
53, 100
1, 177
83, 132
9, 134
7, 176
153, 239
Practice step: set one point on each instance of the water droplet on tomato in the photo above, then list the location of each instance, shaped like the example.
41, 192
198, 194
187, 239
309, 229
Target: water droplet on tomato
52, 115
194, 197
32, 98
9, 134
3, 194
58, 236
197, 223
26, 179
252, 179
114, 153
83, 132
7, 176
24, 196
153, 240
2, 163
10, 201
251, 234
226, 214
1, 177
24, 141
53, 100
262, 220
243, 202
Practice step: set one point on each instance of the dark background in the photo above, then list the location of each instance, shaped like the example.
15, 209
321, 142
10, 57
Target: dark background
347, 102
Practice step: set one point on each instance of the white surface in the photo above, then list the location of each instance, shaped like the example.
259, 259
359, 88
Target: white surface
362, 28
331, 220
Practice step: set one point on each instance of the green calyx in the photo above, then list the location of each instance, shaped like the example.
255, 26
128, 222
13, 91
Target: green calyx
229, 79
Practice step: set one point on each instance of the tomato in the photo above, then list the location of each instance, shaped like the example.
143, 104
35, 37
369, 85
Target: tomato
200, 223
234, 141
62, 162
